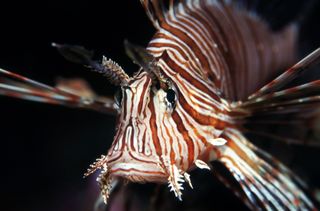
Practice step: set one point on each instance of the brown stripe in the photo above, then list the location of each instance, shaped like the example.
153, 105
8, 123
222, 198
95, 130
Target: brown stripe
172, 152
189, 42
186, 137
176, 68
200, 118
154, 127
143, 96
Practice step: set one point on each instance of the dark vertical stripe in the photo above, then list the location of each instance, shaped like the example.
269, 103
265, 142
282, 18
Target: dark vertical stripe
154, 128
186, 137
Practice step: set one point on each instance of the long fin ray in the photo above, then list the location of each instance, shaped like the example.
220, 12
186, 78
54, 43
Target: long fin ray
289, 75
264, 184
308, 89
17, 86
273, 104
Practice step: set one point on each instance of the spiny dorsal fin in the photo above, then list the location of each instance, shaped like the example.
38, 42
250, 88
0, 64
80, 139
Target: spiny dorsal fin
156, 10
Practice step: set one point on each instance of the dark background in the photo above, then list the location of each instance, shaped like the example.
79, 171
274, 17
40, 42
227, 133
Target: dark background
46, 149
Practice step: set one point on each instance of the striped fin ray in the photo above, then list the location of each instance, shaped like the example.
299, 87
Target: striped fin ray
17, 86
286, 106
272, 187
156, 10
294, 93
238, 188
295, 102
294, 109
291, 109
289, 75
301, 120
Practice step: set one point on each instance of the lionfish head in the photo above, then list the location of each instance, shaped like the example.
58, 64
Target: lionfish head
137, 153
151, 143
134, 155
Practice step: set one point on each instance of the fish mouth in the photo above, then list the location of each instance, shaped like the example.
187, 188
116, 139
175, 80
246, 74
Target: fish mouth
119, 165
136, 169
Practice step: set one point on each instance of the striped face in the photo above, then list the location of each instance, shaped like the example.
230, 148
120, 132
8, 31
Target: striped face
135, 151
162, 132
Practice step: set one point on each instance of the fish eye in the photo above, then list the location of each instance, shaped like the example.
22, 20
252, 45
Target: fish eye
171, 97
118, 98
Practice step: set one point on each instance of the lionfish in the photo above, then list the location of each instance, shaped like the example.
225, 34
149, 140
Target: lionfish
206, 72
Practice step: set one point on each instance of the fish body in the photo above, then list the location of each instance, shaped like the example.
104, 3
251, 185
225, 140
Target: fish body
199, 83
